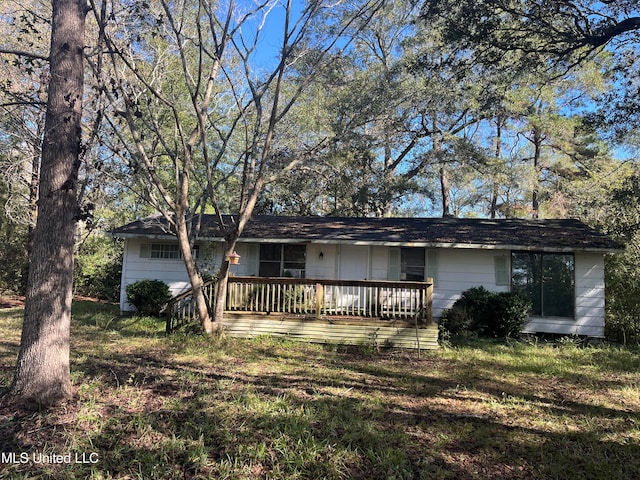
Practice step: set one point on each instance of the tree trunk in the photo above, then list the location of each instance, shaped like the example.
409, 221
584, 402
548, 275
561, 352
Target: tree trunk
537, 145
495, 186
444, 188
42, 371
194, 277
221, 293
223, 280
33, 197
230, 245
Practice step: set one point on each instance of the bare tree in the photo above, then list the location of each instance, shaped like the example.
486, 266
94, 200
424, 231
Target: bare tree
22, 105
202, 100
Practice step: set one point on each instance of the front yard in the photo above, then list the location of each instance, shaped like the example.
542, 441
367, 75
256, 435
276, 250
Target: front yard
148, 406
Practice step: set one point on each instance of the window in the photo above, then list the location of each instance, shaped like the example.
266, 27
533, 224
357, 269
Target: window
282, 260
548, 279
412, 264
164, 251
159, 250
501, 267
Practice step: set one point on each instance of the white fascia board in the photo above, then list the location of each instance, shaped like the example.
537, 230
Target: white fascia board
464, 246
165, 236
467, 246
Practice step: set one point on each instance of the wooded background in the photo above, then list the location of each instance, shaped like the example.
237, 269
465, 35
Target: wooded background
353, 108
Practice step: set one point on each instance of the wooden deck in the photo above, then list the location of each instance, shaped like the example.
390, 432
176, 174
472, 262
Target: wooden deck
333, 330
395, 314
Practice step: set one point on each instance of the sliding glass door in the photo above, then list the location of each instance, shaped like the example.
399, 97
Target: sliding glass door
548, 279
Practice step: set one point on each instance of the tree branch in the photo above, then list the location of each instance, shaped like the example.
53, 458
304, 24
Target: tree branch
23, 103
22, 53
607, 34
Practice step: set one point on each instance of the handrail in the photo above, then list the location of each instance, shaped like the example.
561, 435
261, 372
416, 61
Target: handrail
186, 293
375, 299
326, 281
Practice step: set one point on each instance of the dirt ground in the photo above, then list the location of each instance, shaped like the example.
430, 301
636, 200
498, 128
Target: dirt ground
13, 301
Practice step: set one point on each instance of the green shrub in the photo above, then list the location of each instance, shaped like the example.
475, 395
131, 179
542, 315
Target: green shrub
484, 313
509, 313
98, 266
623, 290
15, 264
148, 296
454, 321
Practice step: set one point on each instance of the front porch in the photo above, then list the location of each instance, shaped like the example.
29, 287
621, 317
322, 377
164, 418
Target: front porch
325, 311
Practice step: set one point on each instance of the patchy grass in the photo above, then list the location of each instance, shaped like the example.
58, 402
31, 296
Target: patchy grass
148, 406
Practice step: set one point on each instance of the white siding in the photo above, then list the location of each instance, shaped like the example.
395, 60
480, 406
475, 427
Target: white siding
245, 265
135, 268
322, 268
353, 262
590, 302
459, 270
379, 263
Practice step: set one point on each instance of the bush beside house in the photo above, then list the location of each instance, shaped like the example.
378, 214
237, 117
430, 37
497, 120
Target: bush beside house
494, 314
148, 296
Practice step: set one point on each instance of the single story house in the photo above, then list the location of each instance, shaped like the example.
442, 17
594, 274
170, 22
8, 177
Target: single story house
559, 263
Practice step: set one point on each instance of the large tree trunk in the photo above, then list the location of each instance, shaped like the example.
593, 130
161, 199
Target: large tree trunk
230, 245
42, 371
221, 293
33, 197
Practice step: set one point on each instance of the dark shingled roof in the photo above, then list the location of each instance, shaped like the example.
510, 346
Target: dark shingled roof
558, 235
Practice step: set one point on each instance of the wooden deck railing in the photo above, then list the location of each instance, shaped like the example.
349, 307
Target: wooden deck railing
315, 298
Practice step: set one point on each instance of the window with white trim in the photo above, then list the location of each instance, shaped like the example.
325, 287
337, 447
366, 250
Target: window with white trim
282, 260
501, 268
164, 251
413, 264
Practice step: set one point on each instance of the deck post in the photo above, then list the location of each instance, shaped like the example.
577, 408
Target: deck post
429, 302
319, 299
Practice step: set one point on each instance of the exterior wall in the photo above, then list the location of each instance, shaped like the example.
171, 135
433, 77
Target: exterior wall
457, 271
338, 262
590, 302
248, 265
321, 268
135, 268
460, 270
353, 262
379, 265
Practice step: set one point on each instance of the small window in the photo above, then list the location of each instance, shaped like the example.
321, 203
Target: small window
413, 264
164, 251
501, 264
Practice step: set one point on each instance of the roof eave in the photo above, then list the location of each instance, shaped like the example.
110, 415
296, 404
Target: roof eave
468, 246
150, 236
383, 243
